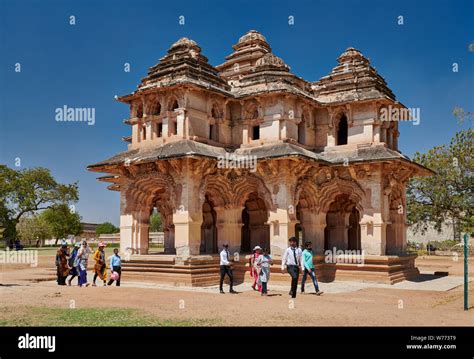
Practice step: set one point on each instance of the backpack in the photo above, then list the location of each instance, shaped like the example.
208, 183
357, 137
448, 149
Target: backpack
72, 260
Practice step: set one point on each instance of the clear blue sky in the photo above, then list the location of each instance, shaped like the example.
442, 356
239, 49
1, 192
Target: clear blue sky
82, 66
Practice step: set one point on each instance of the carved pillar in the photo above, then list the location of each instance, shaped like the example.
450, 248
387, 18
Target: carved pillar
375, 217
229, 227
187, 218
313, 225
126, 223
180, 122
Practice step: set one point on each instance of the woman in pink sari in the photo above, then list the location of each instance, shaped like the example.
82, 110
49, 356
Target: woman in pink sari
257, 252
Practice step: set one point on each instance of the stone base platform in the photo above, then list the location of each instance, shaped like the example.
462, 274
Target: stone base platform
203, 270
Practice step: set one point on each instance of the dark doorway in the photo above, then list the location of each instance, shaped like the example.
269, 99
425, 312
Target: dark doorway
354, 230
208, 229
342, 131
255, 230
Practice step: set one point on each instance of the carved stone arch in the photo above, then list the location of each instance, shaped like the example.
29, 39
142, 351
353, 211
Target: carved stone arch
148, 187
306, 189
154, 105
329, 190
137, 108
218, 188
175, 100
216, 111
244, 185
252, 110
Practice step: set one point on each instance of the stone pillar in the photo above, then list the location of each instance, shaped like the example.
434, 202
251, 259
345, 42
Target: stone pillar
229, 227
142, 220
313, 225
126, 224
180, 122
375, 217
282, 227
187, 228
377, 134
187, 218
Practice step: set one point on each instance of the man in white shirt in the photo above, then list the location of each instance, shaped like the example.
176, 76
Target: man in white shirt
292, 261
225, 268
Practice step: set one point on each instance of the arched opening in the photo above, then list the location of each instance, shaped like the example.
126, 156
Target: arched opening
173, 105
156, 240
342, 131
353, 233
302, 130
255, 230
161, 227
342, 225
139, 110
208, 229
299, 231
156, 109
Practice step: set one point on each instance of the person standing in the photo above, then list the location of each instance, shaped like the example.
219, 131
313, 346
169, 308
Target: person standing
225, 268
115, 266
292, 261
100, 268
83, 257
73, 263
263, 264
257, 251
308, 268
61, 263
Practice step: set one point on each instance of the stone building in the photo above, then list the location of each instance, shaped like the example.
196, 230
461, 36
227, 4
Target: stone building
249, 153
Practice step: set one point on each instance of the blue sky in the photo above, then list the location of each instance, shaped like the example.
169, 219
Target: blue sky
82, 66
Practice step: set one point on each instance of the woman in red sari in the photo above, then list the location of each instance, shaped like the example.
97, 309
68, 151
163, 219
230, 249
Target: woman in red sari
257, 252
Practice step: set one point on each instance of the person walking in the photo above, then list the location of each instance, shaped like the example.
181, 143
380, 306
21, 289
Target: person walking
61, 263
257, 251
225, 268
73, 264
115, 267
263, 264
292, 261
100, 268
308, 268
83, 257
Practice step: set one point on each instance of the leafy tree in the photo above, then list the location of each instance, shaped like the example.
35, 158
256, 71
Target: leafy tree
156, 224
447, 195
33, 229
62, 221
26, 191
106, 228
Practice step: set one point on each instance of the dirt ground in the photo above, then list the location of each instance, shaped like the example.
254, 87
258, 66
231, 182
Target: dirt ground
23, 287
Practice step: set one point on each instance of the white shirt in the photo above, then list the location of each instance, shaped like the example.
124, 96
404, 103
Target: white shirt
289, 257
225, 258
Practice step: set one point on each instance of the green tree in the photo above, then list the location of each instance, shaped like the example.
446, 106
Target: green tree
26, 191
156, 224
106, 228
447, 195
62, 221
33, 229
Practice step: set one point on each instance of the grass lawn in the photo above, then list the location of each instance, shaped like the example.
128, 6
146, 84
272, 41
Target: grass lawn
114, 317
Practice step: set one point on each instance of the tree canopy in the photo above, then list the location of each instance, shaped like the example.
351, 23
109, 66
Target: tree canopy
26, 191
447, 195
106, 228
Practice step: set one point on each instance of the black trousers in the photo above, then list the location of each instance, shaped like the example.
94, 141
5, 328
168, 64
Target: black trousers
226, 270
294, 272
119, 271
